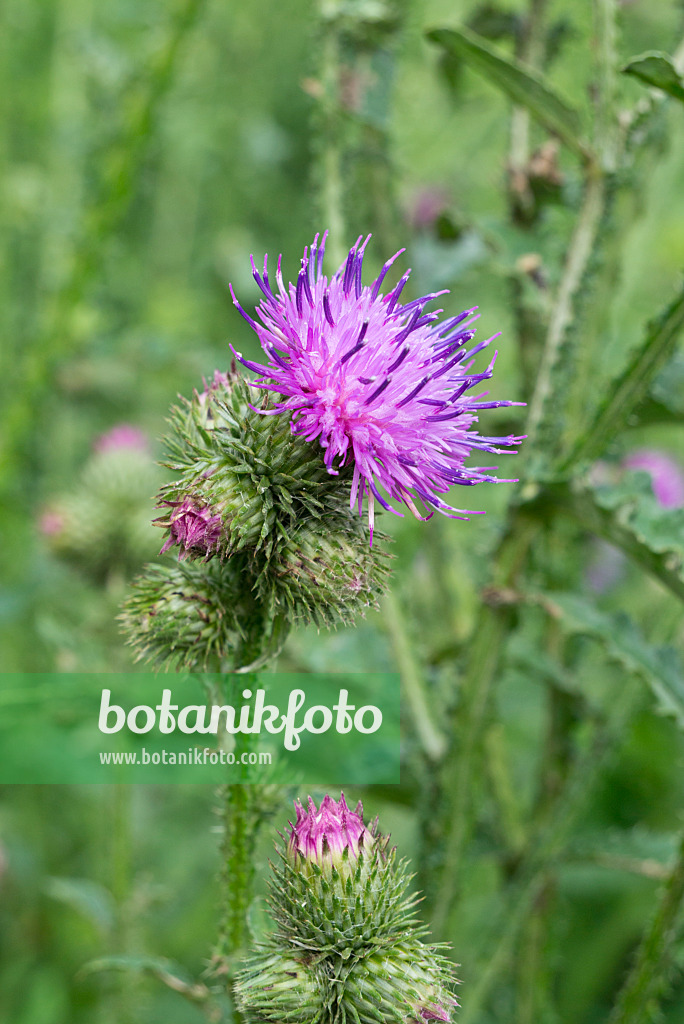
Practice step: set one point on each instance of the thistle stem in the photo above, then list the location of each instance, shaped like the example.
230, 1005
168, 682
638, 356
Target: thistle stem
331, 188
647, 979
485, 656
413, 684
579, 254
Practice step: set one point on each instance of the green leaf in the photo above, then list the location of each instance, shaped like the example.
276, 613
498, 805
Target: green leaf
521, 83
657, 69
622, 642
166, 971
88, 898
628, 390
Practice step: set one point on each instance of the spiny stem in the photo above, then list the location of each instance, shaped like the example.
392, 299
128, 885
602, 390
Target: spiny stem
331, 187
530, 51
606, 62
638, 1001
460, 764
579, 253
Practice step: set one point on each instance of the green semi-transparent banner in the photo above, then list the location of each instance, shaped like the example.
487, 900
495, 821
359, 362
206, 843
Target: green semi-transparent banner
315, 728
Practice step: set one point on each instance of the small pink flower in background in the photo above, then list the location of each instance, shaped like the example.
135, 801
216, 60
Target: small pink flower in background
426, 205
50, 523
123, 435
191, 528
666, 473
322, 834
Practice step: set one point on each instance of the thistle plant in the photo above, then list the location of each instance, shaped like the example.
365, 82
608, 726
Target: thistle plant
362, 398
346, 944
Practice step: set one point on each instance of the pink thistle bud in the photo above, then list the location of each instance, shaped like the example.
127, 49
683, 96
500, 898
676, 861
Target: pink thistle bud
322, 835
219, 382
123, 435
50, 523
192, 528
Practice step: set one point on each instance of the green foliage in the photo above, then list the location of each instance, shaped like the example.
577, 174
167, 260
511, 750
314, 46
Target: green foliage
658, 70
522, 84
628, 515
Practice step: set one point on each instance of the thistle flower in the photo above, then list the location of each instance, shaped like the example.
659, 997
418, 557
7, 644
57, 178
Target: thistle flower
667, 478
123, 435
376, 382
192, 528
322, 835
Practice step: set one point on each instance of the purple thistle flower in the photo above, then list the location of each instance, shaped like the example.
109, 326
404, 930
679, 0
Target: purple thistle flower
192, 528
323, 834
375, 381
667, 478
123, 435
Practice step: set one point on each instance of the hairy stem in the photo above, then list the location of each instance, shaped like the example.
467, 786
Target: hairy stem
412, 680
647, 980
579, 253
460, 764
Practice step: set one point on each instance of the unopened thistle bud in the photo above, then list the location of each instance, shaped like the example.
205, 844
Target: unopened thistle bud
195, 616
346, 930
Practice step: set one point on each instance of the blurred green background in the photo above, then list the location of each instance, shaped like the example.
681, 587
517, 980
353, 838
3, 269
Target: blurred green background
146, 149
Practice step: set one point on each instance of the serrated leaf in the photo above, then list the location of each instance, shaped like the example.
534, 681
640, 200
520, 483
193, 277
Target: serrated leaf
521, 83
657, 69
627, 391
660, 667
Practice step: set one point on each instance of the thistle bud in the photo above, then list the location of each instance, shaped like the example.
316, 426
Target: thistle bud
345, 932
194, 616
103, 523
278, 987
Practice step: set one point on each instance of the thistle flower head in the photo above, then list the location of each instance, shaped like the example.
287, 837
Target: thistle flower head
190, 526
376, 382
323, 834
123, 435
667, 478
